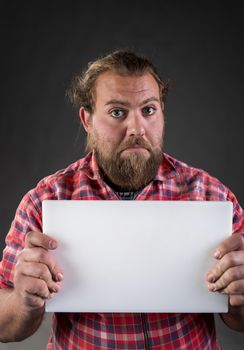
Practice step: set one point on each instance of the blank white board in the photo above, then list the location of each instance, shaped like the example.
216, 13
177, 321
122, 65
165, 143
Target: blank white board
136, 256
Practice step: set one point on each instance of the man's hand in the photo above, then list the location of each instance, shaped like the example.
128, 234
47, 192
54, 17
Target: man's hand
227, 276
36, 273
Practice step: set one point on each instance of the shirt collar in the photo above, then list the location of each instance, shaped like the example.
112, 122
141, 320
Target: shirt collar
90, 167
167, 169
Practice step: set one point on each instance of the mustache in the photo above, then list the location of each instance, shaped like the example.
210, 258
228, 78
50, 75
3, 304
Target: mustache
134, 140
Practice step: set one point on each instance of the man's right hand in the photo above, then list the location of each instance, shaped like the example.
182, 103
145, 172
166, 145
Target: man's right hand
36, 275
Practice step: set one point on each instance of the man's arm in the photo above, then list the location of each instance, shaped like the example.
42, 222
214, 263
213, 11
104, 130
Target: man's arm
36, 278
228, 277
234, 318
17, 323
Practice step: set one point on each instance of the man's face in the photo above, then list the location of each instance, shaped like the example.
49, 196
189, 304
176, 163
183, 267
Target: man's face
126, 129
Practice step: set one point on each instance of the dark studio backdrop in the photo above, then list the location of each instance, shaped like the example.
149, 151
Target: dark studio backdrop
198, 46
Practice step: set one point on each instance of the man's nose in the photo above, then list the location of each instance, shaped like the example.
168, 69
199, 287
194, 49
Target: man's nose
135, 126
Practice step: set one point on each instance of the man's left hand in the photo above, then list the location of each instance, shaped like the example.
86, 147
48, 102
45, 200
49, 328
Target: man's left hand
227, 276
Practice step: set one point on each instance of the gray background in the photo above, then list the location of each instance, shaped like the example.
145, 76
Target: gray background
198, 46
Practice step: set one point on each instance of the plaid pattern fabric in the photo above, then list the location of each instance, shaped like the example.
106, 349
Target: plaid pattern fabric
82, 181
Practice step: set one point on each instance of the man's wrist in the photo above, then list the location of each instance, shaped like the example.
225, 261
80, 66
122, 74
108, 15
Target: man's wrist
234, 319
25, 319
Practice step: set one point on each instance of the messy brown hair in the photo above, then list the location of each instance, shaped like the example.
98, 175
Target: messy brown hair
125, 63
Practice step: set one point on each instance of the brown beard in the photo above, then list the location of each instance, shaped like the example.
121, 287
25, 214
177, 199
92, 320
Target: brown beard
130, 173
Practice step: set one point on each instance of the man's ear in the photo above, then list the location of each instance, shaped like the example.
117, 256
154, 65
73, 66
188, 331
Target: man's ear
85, 119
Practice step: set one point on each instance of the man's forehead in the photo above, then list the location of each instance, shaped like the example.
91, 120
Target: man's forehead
115, 85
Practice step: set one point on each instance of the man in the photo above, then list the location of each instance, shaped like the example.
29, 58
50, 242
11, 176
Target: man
121, 106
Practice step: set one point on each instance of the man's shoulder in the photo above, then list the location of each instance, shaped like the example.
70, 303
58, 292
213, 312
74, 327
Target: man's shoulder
184, 169
70, 172
64, 182
191, 179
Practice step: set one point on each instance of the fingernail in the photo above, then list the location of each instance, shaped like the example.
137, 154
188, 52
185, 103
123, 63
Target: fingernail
59, 276
217, 254
56, 289
212, 288
211, 278
53, 244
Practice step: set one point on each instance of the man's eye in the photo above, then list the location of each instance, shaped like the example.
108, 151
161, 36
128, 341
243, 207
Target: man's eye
117, 113
148, 110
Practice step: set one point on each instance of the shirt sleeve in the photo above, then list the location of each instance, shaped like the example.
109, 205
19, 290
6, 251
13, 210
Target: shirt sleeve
27, 218
238, 214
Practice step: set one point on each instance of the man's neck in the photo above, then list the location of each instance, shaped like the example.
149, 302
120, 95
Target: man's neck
122, 193
127, 195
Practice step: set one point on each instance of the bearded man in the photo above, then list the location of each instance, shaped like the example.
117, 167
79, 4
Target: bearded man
121, 99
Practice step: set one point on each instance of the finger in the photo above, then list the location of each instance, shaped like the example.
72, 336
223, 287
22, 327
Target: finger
236, 300
235, 287
232, 274
39, 271
232, 259
232, 243
38, 288
39, 239
33, 292
41, 256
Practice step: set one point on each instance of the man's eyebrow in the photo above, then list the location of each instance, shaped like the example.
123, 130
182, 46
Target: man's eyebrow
127, 103
150, 99
117, 102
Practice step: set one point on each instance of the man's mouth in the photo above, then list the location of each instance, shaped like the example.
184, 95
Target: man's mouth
135, 148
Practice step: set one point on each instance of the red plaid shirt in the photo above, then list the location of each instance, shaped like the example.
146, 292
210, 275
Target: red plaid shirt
82, 181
